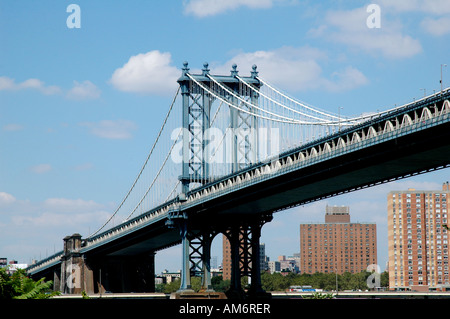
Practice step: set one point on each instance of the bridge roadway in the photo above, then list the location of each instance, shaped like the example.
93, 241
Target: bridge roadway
411, 140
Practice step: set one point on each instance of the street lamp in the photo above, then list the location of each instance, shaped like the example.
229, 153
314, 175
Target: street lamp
336, 282
336, 273
442, 65
424, 92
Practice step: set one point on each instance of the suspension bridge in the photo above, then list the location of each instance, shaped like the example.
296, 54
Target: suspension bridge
233, 150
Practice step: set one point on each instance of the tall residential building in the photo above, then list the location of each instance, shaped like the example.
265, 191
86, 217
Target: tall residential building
417, 239
337, 246
226, 259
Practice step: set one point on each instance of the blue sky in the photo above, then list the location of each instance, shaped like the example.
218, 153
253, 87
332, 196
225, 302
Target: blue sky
81, 107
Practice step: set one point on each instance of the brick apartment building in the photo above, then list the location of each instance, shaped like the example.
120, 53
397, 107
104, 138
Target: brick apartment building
418, 240
337, 246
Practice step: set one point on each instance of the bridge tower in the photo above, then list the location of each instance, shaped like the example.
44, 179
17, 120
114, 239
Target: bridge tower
243, 233
196, 119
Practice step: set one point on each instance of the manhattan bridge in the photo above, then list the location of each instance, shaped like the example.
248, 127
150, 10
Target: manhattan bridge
231, 151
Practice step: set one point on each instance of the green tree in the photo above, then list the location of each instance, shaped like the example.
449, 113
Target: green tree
275, 282
172, 287
159, 287
278, 282
6, 287
325, 281
219, 284
19, 286
385, 279
196, 283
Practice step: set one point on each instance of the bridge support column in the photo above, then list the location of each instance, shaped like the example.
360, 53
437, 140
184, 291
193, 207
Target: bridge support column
206, 264
196, 256
185, 137
255, 286
185, 268
57, 279
76, 276
245, 258
235, 291
200, 258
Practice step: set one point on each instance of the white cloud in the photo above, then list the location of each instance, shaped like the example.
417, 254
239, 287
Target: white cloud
6, 198
350, 28
84, 90
12, 127
437, 23
41, 168
436, 27
150, 72
31, 229
53, 219
118, 130
58, 212
65, 205
401, 5
289, 68
8, 84
39, 86
83, 167
204, 8
346, 79
294, 69
437, 7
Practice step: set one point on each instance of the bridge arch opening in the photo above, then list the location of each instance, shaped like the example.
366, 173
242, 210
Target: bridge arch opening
217, 255
445, 107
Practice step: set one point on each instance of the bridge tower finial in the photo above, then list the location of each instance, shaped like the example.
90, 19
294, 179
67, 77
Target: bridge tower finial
234, 71
205, 69
185, 68
254, 73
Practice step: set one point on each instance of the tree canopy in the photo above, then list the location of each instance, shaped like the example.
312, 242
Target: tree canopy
279, 282
19, 286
